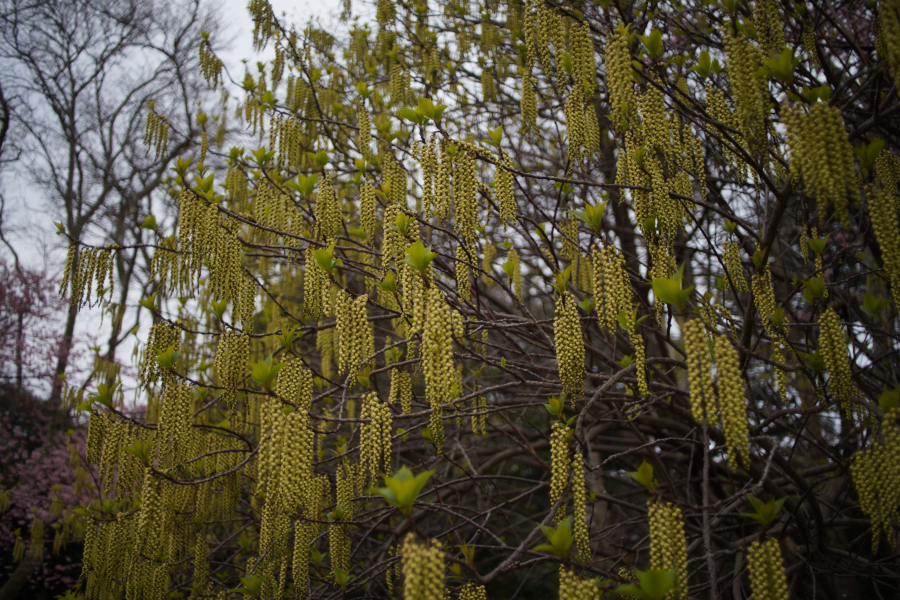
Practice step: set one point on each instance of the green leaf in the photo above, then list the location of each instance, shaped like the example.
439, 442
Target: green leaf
759, 257
167, 358
321, 158
403, 488
306, 184
252, 584
341, 578
411, 115
817, 245
389, 282
764, 513
781, 66
814, 361
325, 259
264, 372
149, 223
592, 216
219, 308
288, 336
555, 405
149, 303
425, 108
401, 223
419, 257
703, 65
867, 153
669, 290
560, 539
872, 305
644, 475
889, 399
140, 450
814, 288
496, 135
105, 394
653, 43
562, 280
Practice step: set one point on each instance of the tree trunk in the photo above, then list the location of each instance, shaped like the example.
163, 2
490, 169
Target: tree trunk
16, 583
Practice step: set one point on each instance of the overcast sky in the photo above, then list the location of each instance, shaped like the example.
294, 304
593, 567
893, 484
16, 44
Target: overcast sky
238, 23
30, 229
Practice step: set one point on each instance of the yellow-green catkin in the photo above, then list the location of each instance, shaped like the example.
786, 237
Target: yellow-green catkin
573, 587
528, 104
328, 211
423, 569
731, 256
156, 133
503, 187
883, 214
559, 463
465, 198
767, 579
355, 341
750, 90
569, 345
437, 359
487, 263
699, 363
463, 284
612, 288
513, 268
375, 437
36, 549
833, 348
780, 375
876, 476
579, 510
619, 77
401, 387
668, 548
821, 153
889, 25
364, 136
472, 591
733, 403
768, 21
231, 360
764, 299
809, 44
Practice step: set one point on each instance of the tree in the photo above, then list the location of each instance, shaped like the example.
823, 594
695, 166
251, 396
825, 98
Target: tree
83, 73
621, 276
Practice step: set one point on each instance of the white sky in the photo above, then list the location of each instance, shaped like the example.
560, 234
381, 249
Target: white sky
237, 22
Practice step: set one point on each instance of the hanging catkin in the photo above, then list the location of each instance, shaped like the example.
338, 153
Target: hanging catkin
569, 345
733, 403
767, 579
423, 569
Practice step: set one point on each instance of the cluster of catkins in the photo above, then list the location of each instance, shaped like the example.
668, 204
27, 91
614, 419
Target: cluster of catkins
876, 475
767, 579
668, 548
423, 569
732, 397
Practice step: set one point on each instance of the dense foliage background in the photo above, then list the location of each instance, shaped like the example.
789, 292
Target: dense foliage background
602, 293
